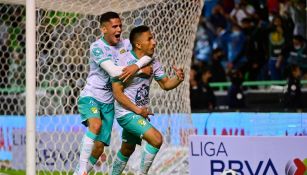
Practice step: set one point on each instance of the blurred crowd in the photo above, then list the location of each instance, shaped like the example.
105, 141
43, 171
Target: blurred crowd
247, 40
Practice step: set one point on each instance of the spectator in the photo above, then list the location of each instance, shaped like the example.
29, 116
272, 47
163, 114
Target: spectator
293, 95
236, 47
194, 88
201, 94
298, 53
236, 97
202, 49
241, 11
207, 10
216, 67
208, 99
222, 39
227, 5
217, 18
273, 7
277, 45
298, 13
255, 46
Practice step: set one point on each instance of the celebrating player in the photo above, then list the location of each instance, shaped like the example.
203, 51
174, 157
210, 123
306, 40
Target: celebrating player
132, 100
96, 100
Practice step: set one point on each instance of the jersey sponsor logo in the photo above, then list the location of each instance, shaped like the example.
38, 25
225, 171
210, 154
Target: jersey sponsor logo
107, 87
142, 95
94, 110
142, 122
97, 52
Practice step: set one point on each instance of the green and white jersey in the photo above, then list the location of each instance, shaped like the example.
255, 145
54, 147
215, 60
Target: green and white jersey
138, 89
98, 84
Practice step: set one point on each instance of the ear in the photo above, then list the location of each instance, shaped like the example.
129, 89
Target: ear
103, 29
138, 45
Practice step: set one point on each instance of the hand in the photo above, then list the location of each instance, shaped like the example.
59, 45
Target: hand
128, 72
147, 71
144, 112
179, 73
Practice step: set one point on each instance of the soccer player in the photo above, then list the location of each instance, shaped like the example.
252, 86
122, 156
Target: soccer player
132, 100
96, 100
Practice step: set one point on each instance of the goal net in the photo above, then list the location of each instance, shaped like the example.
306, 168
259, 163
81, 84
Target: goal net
64, 31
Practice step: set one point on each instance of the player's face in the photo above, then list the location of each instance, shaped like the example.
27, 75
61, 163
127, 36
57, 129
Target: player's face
112, 31
147, 43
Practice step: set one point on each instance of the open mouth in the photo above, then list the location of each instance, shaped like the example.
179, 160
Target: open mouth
117, 36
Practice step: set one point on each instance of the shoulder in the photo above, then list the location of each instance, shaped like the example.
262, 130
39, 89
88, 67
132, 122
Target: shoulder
96, 43
101, 45
125, 44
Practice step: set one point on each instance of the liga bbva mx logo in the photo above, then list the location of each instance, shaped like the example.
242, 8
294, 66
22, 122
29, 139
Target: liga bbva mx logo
296, 167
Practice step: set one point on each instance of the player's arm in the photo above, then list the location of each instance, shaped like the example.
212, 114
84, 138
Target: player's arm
121, 98
144, 69
124, 72
171, 83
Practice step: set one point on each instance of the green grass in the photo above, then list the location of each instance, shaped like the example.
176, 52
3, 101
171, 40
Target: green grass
12, 172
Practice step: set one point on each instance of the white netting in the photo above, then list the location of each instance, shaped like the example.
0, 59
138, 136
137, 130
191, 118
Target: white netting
65, 30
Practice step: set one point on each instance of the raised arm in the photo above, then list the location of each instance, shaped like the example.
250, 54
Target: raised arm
171, 83
121, 98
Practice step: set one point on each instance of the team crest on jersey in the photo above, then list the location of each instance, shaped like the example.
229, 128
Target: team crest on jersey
122, 51
94, 110
97, 52
142, 122
141, 98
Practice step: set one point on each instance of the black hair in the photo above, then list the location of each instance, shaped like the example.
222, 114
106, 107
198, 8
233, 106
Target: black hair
217, 50
136, 32
299, 38
106, 17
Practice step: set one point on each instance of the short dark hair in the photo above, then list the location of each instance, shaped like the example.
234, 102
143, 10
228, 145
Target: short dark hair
299, 38
106, 17
136, 32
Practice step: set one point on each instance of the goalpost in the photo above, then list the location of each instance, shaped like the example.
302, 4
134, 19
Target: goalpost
64, 30
30, 87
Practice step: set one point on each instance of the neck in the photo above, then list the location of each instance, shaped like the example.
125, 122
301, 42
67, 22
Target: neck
108, 41
138, 53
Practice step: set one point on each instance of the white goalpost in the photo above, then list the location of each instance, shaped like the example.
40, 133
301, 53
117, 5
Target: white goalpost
49, 41
30, 87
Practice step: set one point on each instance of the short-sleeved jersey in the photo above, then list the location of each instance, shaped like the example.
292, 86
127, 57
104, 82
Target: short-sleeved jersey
98, 84
138, 89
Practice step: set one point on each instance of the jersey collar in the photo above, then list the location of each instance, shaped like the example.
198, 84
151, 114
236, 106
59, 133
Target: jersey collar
133, 53
103, 40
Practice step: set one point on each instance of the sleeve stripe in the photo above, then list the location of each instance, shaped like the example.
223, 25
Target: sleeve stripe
100, 61
115, 79
160, 77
